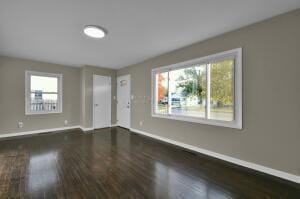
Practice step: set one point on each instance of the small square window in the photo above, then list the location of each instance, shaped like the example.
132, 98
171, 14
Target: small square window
43, 93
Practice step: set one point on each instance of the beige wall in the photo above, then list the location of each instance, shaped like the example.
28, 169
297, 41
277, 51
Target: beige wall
12, 96
271, 104
77, 95
87, 93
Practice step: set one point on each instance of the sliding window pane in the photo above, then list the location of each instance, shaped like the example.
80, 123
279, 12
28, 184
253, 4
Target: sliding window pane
188, 91
161, 90
43, 102
43, 84
222, 90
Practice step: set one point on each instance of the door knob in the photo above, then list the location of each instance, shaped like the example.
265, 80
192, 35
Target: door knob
96, 104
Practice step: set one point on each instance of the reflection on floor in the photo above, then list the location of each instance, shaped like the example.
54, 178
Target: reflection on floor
115, 163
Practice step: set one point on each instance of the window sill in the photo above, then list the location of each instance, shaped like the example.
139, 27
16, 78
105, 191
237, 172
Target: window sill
233, 124
42, 113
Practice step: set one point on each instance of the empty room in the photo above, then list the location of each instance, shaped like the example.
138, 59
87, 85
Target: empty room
150, 99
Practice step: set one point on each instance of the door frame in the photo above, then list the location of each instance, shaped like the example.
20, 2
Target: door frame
109, 101
130, 103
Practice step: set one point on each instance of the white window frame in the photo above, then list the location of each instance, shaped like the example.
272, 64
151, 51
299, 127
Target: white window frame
59, 77
238, 92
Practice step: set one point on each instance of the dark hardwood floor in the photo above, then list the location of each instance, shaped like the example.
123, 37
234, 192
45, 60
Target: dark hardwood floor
115, 163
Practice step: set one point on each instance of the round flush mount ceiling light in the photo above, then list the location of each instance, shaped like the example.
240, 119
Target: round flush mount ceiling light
95, 32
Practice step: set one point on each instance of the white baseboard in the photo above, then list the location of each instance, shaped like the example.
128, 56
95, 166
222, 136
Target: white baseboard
86, 129
92, 128
6, 135
274, 172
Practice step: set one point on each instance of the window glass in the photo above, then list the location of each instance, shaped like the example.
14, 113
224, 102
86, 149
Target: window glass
222, 90
43, 102
188, 91
207, 90
43, 84
161, 96
43, 93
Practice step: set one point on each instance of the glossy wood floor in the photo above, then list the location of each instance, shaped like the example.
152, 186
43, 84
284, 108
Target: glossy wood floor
115, 163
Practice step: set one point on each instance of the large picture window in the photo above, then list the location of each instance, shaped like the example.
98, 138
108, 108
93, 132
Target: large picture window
43, 93
206, 90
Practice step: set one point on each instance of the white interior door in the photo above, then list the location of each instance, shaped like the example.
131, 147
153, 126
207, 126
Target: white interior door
102, 101
123, 101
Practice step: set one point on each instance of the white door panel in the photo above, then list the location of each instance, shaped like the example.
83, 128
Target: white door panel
102, 101
123, 101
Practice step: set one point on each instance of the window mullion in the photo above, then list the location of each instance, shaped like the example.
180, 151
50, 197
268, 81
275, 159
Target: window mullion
46, 92
155, 93
208, 89
169, 94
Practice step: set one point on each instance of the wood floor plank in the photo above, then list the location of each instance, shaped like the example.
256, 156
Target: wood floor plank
116, 163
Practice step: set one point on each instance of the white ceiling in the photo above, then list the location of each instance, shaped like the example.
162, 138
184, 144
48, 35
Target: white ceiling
51, 30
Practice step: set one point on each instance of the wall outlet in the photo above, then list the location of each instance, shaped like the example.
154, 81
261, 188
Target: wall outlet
66, 122
20, 125
141, 123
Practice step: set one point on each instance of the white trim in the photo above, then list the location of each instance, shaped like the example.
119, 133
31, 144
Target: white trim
197, 120
238, 85
264, 169
208, 91
37, 131
130, 100
93, 103
27, 92
201, 60
86, 129
6, 135
92, 128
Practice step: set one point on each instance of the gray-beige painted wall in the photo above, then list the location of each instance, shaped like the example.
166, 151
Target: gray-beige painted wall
12, 97
271, 97
77, 96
